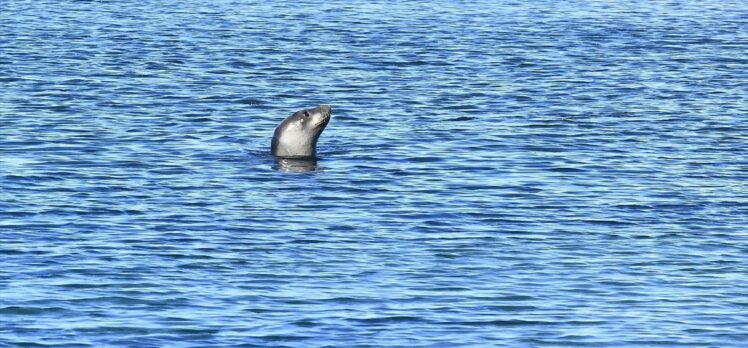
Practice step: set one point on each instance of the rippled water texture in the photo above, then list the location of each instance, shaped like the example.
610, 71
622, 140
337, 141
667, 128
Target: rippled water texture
496, 173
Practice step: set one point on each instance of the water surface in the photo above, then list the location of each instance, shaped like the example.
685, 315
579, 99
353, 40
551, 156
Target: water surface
496, 173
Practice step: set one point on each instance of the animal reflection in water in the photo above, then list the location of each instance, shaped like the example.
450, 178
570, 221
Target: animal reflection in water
296, 165
294, 142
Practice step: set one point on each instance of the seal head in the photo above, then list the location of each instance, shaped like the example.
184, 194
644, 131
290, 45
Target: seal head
297, 135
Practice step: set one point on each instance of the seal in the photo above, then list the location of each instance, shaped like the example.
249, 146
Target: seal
297, 135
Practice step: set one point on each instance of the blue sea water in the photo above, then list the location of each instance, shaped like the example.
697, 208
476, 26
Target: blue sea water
496, 174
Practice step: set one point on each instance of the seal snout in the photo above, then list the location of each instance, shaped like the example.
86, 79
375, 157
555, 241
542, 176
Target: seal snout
326, 109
